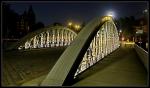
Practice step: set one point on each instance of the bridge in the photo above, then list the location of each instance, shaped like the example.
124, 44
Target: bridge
51, 36
95, 47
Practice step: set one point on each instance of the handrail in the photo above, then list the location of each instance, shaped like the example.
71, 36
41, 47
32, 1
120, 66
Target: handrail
143, 55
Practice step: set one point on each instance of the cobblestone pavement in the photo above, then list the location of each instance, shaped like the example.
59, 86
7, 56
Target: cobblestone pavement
21, 66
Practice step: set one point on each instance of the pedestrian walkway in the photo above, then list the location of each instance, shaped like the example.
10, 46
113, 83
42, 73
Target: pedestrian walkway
121, 68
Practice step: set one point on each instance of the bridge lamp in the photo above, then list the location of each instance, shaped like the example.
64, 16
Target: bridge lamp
70, 23
122, 39
120, 31
77, 27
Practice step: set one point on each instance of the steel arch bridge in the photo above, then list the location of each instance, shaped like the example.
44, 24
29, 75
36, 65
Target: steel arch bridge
95, 41
104, 42
51, 36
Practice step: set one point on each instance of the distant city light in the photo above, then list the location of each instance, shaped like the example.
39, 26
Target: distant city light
70, 23
145, 11
120, 31
77, 27
122, 39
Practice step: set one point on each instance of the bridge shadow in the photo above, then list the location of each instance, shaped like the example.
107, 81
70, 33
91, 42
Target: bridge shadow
107, 61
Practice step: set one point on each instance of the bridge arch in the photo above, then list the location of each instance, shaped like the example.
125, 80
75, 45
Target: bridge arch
99, 36
104, 42
50, 36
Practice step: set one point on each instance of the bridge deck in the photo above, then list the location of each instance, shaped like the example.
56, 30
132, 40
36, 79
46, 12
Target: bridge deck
121, 68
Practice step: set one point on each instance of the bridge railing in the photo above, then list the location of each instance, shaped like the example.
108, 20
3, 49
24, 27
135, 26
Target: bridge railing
143, 55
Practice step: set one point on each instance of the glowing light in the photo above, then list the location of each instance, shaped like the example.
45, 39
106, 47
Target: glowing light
70, 23
77, 27
145, 11
111, 13
105, 18
132, 43
120, 31
122, 39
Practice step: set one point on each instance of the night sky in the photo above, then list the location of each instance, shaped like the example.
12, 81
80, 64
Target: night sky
78, 12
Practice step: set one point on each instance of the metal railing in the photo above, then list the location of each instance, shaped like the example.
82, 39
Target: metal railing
143, 55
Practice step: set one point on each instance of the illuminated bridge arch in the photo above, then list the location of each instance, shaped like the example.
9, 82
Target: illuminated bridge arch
95, 41
51, 36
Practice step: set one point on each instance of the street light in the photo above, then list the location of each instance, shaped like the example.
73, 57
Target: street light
111, 13
77, 27
120, 31
122, 38
70, 23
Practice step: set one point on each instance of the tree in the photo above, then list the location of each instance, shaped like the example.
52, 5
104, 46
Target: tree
57, 24
126, 24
